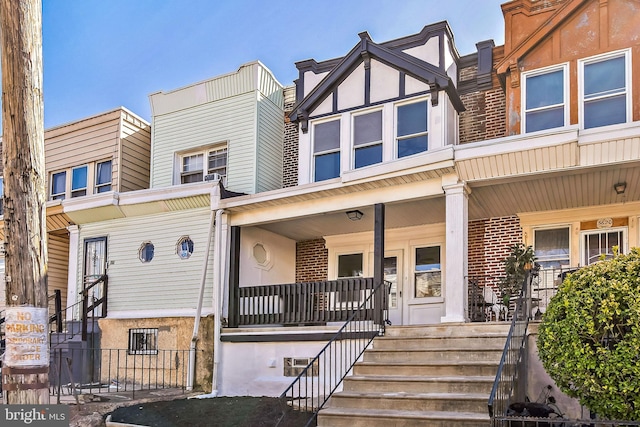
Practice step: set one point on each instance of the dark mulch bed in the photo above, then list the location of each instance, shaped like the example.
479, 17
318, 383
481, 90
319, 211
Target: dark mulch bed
219, 412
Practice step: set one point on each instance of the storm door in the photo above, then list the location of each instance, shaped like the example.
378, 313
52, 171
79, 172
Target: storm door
95, 266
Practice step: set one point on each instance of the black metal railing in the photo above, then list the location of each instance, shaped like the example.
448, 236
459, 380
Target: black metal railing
509, 378
55, 306
75, 371
301, 303
313, 387
94, 301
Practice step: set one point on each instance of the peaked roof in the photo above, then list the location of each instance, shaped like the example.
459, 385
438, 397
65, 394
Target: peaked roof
435, 77
540, 34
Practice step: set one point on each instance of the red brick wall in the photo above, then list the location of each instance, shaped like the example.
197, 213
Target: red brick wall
489, 241
312, 261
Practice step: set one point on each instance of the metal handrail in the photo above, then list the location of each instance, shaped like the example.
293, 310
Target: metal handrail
352, 339
506, 381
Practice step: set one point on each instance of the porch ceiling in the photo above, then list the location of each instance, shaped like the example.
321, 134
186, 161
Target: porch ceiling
578, 188
492, 198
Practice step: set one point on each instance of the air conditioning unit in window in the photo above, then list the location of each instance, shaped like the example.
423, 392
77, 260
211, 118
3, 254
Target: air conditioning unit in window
212, 177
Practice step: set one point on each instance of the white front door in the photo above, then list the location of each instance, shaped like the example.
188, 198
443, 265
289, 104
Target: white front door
393, 274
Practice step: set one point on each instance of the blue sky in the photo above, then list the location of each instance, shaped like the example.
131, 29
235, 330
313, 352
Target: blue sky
101, 54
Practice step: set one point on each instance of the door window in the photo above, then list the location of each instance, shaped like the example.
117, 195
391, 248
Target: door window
428, 272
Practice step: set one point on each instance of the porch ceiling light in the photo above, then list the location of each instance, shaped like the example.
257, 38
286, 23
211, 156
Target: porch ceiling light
354, 215
620, 187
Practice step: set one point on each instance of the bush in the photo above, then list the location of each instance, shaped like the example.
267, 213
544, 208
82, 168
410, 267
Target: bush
589, 339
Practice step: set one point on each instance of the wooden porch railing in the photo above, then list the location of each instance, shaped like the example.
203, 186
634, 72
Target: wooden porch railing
300, 303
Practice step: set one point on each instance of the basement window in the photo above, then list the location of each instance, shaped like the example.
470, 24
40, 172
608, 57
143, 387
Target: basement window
143, 341
293, 366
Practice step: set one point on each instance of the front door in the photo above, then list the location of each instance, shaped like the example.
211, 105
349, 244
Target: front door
95, 265
393, 274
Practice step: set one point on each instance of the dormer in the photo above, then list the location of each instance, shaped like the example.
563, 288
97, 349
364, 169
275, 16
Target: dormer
569, 63
380, 104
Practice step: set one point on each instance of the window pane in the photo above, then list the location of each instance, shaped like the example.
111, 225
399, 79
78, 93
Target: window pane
545, 119
146, 252
368, 155
412, 118
350, 265
327, 166
326, 136
103, 174
604, 76
552, 247
605, 111
192, 163
217, 161
58, 184
79, 178
428, 258
409, 146
545, 89
391, 276
192, 177
367, 128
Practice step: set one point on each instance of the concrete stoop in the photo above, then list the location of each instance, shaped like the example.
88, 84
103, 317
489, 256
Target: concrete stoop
438, 375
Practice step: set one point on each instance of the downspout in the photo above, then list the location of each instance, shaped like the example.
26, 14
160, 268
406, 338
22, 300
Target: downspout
218, 290
196, 323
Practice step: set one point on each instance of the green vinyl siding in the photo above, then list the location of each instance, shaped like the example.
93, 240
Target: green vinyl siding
270, 142
166, 282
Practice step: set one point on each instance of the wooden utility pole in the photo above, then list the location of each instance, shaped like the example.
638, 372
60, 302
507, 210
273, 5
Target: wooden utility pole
25, 370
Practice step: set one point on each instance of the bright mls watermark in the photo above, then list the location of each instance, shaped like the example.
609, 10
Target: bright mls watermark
34, 415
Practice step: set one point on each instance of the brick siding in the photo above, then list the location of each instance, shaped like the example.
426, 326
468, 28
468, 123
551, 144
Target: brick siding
290, 146
312, 261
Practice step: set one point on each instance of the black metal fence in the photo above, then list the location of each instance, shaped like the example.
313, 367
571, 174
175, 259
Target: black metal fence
303, 303
325, 372
86, 370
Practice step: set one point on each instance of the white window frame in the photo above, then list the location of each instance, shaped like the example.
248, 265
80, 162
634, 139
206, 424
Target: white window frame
63, 194
395, 125
151, 348
86, 183
379, 142
565, 95
626, 53
97, 185
205, 152
623, 248
556, 227
320, 153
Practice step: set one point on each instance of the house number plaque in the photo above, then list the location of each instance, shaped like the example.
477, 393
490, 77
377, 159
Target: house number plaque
605, 223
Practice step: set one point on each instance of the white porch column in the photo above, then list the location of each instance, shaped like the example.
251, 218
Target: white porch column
72, 269
457, 243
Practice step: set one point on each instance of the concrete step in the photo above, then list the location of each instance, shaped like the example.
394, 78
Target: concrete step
418, 384
492, 329
453, 343
464, 402
402, 355
428, 368
352, 417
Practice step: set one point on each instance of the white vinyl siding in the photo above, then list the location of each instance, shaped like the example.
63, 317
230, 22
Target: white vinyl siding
167, 282
269, 150
242, 109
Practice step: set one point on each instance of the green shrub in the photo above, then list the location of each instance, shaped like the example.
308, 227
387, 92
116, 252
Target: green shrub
589, 339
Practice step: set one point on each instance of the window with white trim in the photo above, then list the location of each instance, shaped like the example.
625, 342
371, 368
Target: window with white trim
367, 139
551, 246
103, 177
192, 165
58, 185
428, 272
326, 150
604, 89
545, 99
79, 181
412, 128
599, 244
143, 341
